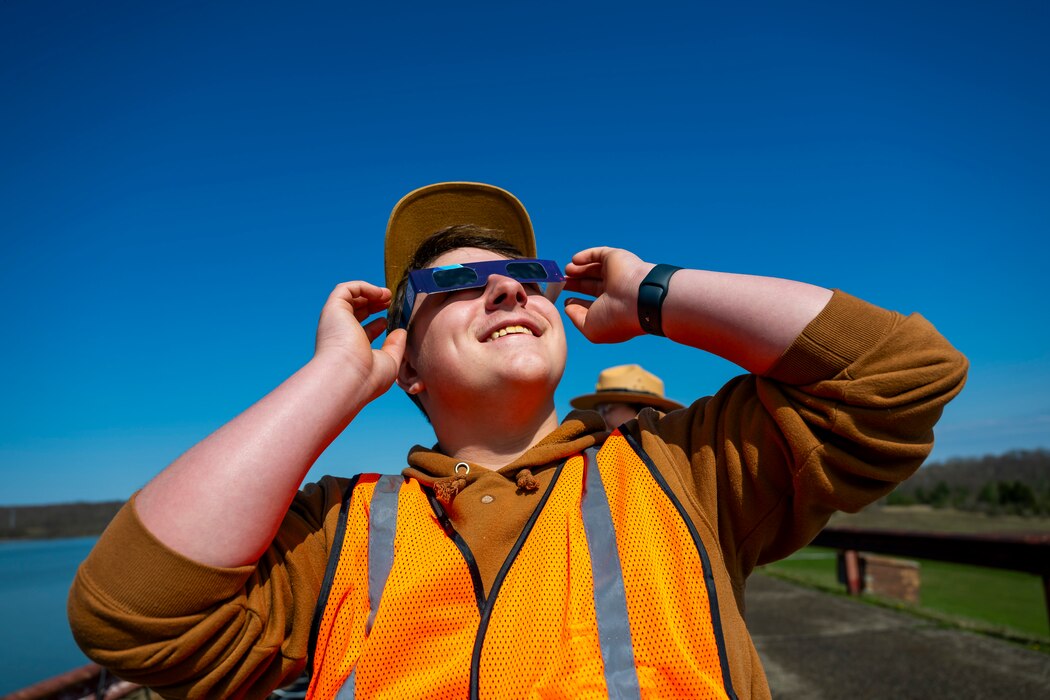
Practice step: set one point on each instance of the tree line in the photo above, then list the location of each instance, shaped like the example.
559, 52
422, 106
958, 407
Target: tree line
58, 520
1014, 483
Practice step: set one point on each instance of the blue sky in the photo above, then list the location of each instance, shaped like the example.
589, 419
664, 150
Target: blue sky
182, 183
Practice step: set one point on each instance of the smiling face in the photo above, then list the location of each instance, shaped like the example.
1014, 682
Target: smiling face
484, 344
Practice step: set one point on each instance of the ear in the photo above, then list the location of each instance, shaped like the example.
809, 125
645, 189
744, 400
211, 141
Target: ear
407, 376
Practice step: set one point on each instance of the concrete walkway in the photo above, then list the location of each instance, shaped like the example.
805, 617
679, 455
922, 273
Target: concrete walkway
817, 646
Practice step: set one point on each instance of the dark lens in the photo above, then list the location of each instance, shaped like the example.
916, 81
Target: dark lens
526, 271
454, 277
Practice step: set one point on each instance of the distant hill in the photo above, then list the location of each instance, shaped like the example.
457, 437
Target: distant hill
1016, 482
54, 521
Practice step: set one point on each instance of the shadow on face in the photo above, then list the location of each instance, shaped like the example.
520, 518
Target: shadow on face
616, 414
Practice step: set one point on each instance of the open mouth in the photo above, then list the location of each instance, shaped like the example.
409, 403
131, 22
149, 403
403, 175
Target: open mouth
509, 330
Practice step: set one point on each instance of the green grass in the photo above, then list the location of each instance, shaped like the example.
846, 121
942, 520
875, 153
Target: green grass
811, 565
971, 595
1009, 598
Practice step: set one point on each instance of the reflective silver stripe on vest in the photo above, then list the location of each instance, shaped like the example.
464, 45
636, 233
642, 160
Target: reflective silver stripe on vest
346, 691
610, 600
382, 526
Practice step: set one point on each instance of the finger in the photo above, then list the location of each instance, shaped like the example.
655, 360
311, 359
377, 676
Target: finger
363, 308
592, 255
590, 287
374, 328
588, 270
576, 310
364, 299
349, 291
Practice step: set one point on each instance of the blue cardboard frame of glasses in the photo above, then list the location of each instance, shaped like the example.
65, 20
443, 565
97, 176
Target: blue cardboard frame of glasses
452, 278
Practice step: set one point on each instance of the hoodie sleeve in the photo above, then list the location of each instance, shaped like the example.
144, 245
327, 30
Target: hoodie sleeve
187, 630
845, 415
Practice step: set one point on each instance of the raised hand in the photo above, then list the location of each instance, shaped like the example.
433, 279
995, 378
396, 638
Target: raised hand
343, 336
612, 276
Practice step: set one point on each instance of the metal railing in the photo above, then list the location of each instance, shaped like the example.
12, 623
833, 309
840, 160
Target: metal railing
1027, 553
93, 682
89, 682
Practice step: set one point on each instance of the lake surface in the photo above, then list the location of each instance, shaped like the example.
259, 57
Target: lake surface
35, 576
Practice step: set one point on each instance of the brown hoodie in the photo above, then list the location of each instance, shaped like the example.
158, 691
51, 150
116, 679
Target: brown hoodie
845, 415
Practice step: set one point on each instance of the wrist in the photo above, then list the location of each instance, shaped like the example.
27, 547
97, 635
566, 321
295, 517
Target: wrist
340, 379
652, 291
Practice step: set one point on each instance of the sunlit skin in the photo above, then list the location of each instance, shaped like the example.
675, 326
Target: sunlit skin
221, 502
464, 376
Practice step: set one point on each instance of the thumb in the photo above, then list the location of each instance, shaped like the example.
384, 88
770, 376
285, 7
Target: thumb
394, 345
576, 310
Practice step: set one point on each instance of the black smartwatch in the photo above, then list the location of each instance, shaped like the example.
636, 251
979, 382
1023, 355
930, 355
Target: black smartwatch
651, 294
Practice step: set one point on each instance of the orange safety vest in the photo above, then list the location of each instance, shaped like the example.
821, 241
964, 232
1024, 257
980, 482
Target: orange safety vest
608, 592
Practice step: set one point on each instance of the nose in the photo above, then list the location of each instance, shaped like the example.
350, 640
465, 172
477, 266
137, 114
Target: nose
503, 292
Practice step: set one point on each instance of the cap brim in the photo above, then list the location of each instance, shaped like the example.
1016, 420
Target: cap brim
425, 211
591, 401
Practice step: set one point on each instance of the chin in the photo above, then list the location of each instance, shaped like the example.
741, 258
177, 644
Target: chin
531, 372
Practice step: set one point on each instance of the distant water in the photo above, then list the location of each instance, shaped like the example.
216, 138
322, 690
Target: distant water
35, 576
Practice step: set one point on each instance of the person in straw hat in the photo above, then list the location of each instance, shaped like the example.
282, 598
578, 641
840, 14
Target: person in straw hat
521, 555
623, 391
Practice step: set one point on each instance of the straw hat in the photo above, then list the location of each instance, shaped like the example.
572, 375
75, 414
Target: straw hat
429, 209
627, 384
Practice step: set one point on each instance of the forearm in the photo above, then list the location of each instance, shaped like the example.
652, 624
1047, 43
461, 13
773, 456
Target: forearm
746, 319
221, 502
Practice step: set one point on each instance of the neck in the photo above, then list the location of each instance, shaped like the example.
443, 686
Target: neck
495, 435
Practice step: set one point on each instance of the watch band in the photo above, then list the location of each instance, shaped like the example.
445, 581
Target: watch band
651, 294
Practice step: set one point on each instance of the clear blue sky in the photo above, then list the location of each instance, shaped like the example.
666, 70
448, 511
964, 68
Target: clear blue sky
182, 183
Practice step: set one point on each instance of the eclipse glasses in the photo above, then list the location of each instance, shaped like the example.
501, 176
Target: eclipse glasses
452, 278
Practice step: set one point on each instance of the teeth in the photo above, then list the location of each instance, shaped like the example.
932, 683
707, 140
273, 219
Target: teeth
509, 330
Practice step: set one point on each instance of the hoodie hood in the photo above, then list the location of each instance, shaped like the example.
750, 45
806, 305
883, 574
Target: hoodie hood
579, 431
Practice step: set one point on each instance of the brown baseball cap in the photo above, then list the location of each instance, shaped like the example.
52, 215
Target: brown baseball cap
627, 384
425, 211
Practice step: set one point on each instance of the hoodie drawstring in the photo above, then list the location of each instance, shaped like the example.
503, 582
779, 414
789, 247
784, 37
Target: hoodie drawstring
526, 481
447, 488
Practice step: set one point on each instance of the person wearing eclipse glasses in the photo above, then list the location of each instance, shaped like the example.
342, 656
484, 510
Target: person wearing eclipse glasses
522, 555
